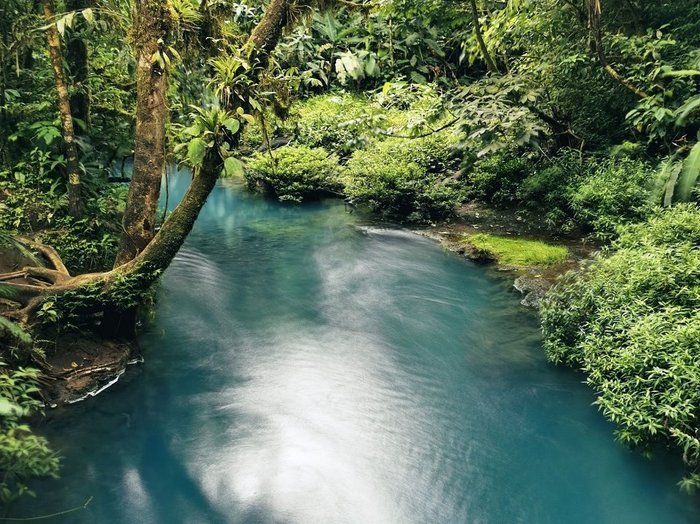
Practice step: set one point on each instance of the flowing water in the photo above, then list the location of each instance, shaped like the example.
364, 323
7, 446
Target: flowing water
305, 367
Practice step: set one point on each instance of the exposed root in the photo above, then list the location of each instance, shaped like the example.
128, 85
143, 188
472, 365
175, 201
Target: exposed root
49, 252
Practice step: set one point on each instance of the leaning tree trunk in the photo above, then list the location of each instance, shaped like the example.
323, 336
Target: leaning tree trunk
152, 23
595, 12
54, 42
490, 63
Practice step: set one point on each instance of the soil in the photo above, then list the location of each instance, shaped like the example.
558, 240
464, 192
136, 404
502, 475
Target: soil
84, 366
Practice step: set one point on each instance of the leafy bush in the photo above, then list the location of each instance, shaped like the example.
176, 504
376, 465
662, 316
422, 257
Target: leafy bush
23, 455
518, 251
495, 180
332, 121
548, 191
631, 322
435, 153
294, 173
616, 192
394, 180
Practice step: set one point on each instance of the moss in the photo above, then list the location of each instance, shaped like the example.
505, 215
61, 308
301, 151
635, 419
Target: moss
518, 251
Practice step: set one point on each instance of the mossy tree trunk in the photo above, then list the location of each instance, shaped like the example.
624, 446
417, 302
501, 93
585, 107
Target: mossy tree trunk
64, 108
151, 28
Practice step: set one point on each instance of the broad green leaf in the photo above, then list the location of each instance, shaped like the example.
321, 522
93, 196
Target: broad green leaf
690, 105
196, 150
232, 124
89, 15
689, 175
233, 167
7, 408
670, 171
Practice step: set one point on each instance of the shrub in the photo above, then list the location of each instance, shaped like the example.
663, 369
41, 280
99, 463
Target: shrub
548, 191
495, 180
332, 121
23, 455
397, 188
518, 251
631, 322
294, 173
435, 153
618, 191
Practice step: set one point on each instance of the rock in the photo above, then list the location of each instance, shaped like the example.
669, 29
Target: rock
533, 288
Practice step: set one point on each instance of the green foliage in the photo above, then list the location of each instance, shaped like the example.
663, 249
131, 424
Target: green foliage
496, 179
337, 122
23, 455
364, 48
518, 251
549, 190
394, 178
212, 130
631, 322
294, 173
617, 191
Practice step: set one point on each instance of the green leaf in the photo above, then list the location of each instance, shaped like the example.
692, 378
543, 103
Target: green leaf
688, 107
232, 124
61, 26
670, 171
233, 167
8, 409
193, 130
418, 78
89, 15
196, 150
689, 175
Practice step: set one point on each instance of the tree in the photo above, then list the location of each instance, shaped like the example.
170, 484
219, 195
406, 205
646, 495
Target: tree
152, 24
64, 108
116, 293
490, 64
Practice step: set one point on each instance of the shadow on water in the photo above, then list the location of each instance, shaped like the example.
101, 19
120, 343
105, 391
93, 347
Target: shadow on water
304, 367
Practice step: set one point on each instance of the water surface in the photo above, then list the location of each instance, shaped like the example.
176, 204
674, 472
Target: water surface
305, 367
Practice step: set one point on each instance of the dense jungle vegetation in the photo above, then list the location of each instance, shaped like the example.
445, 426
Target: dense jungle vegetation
580, 115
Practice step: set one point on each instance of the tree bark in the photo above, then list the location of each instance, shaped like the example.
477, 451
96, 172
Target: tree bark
152, 23
64, 108
490, 63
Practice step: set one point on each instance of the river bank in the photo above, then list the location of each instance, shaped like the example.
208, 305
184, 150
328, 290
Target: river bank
532, 280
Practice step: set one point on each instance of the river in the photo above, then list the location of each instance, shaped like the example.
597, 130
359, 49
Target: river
305, 366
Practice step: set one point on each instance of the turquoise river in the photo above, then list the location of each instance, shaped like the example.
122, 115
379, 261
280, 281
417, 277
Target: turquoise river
307, 366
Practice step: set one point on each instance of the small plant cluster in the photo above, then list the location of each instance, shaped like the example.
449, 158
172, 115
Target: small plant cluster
295, 173
376, 151
631, 322
23, 455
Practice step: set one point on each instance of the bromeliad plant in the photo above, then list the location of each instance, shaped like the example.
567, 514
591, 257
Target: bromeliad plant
213, 131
